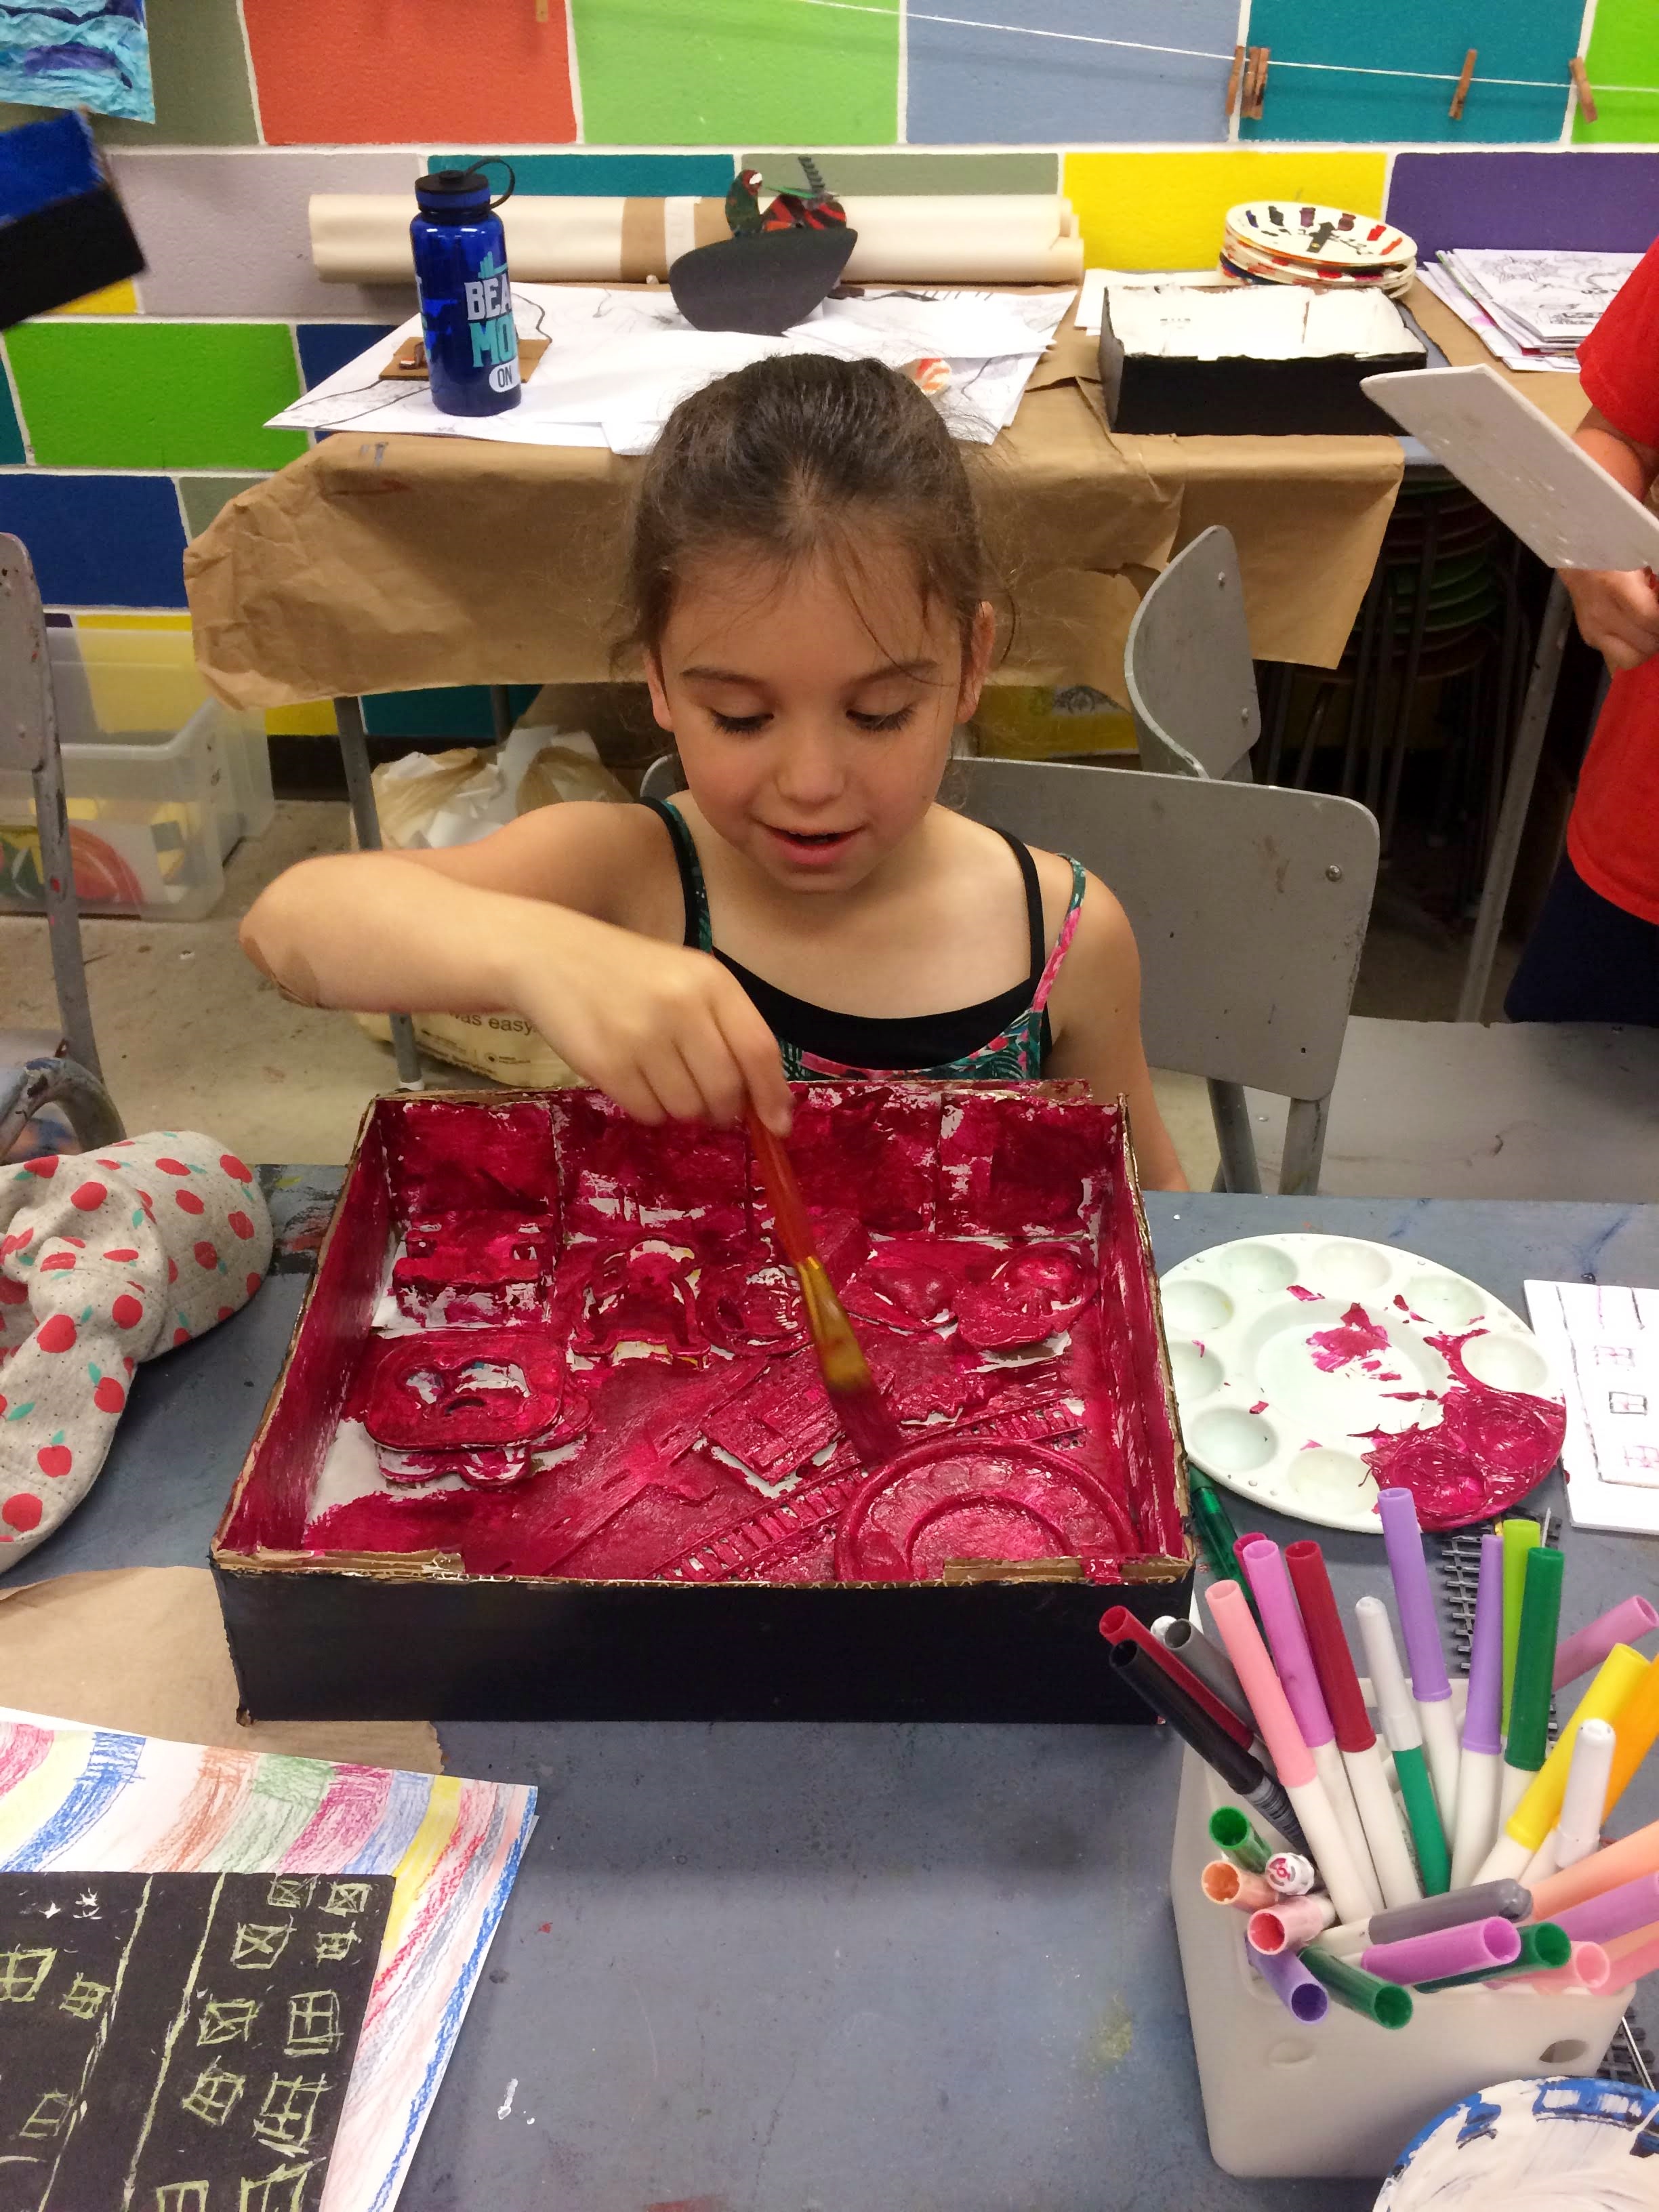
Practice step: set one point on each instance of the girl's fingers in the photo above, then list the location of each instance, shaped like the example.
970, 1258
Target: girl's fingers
675, 1087
711, 1066
755, 1049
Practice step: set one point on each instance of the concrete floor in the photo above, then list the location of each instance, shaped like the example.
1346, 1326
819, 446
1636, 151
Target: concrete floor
192, 1038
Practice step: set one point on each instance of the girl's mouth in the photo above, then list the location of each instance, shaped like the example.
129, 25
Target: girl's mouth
809, 847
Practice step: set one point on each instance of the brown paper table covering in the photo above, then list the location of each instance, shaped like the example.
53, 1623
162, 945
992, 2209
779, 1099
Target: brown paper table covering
377, 564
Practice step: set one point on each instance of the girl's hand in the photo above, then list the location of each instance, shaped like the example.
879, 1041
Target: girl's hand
666, 1032
1618, 612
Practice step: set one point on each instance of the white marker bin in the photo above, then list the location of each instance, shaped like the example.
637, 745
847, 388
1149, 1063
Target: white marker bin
1346, 2097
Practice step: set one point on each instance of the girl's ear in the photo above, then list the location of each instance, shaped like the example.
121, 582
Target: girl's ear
977, 660
661, 712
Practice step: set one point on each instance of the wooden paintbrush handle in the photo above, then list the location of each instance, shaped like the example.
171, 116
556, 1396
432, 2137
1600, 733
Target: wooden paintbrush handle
795, 1225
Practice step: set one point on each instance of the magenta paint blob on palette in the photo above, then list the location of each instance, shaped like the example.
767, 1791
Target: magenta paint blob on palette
1312, 1371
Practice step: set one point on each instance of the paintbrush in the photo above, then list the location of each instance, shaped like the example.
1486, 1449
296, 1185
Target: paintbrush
866, 1422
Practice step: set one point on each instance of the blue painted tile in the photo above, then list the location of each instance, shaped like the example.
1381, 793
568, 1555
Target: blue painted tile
612, 176
324, 347
99, 541
996, 86
460, 710
1532, 40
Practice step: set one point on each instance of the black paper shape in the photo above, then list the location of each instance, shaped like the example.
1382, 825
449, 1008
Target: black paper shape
63, 232
179, 2042
764, 282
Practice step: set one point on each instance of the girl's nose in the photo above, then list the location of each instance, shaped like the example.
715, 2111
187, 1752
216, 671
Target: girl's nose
811, 769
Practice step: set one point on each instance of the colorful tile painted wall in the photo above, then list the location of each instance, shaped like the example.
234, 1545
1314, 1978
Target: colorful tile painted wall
128, 420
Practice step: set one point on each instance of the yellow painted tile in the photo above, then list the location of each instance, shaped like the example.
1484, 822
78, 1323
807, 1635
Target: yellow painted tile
114, 299
314, 720
1166, 210
132, 622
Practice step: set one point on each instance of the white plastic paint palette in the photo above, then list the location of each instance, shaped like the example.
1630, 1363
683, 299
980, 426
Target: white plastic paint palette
1290, 1352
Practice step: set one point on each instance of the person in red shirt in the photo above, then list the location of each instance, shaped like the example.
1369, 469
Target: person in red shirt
1593, 955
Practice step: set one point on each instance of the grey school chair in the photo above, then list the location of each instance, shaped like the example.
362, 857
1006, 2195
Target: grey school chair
1249, 906
1186, 646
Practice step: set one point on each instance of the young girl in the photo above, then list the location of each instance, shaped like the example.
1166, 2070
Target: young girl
809, 589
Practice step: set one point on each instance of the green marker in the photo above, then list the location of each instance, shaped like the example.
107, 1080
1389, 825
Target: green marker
1385, 2002
1542, 1950
1216, 1534
1528, 1741
1231, 1831
1405, 1740
1520, 1537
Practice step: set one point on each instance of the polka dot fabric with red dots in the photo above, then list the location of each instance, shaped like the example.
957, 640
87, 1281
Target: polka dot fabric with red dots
99, 1272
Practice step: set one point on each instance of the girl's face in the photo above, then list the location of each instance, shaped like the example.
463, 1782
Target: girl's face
813, 725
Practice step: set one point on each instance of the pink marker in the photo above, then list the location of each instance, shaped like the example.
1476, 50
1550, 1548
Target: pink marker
1587, 1647
1468, 1948
1231, 1610
1289, 1923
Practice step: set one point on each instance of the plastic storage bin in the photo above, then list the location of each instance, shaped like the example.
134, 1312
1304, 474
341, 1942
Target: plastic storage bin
1345, 2096
162, 782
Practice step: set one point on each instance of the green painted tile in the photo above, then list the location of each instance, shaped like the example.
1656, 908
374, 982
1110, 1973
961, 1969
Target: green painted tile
145, 395
201, 497
916, 173
199, 67
11, 430
657, 72
610, 176
1623, 49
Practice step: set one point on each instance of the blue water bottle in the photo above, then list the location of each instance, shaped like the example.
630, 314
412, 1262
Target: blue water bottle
466, 301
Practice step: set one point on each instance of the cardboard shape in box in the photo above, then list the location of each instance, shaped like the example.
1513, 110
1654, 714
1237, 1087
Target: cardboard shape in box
550, 1441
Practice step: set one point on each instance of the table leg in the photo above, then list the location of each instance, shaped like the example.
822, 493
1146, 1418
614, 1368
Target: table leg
360, 788
500, 711
1517, 798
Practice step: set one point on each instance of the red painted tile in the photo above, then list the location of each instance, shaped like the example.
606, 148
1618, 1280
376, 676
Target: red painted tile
361, 72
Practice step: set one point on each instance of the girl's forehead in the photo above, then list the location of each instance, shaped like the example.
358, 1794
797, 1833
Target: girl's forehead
871, 604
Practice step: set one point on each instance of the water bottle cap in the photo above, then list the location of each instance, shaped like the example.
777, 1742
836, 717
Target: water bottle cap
460, 191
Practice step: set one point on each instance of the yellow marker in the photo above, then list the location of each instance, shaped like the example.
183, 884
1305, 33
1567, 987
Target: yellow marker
1633, 1732
1535, 1816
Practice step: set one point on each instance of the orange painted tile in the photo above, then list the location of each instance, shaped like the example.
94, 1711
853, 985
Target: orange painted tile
358, 72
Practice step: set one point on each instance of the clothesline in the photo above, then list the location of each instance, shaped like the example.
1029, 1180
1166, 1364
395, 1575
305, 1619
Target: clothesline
1205, 54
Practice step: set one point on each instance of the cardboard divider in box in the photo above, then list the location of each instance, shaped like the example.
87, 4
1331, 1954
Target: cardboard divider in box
550, 1441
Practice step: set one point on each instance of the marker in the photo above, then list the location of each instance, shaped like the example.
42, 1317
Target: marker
1207, 1660
1584, 1804
1244, 1775
1619, 1911
1587, 1647
1225, 1884
1287, 1639
1117, 1623
1304, 1997
1290, 1922
1527, 1740
1635, 1726
1430, 1690
1520, 1537
1535, 1816
1405, 1741
1215, 1529
1385, 2002
1290, 1874
1480, 1770
1231, 1831
1589, 1968
1322, 1838
1487, 1900
1472, 1947
1397, 1877
1614, 1865
1542, 1948
1632, 1967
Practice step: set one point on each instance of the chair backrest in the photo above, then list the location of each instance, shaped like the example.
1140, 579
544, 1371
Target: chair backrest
1190, 677
1248, 903
663, 778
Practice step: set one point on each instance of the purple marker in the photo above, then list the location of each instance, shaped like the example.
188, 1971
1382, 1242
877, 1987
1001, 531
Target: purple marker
1304, 1998
1480, 1770
1474, 1947
1269, 1579
1619, 1911
1425, 1659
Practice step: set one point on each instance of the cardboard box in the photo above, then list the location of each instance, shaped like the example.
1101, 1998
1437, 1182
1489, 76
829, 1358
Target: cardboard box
693, 1540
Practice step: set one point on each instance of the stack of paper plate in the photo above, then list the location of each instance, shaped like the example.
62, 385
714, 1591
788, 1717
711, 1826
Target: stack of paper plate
1279, 242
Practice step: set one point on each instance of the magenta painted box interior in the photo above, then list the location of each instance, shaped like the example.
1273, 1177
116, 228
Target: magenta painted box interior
549, 1351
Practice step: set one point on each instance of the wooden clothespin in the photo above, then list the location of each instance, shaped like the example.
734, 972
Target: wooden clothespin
1581, 87
1256, 87
1463, 83
1235, 77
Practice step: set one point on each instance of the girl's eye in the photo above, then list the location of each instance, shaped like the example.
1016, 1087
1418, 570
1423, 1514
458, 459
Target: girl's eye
740, 726
896, 721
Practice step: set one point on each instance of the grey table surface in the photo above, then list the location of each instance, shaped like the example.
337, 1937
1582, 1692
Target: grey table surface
771, 1968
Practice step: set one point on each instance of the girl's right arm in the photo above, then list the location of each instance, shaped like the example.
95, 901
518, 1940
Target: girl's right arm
535, 920
1618, 609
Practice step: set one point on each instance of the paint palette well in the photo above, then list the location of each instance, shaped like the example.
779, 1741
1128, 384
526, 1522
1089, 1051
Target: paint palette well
1306, 1366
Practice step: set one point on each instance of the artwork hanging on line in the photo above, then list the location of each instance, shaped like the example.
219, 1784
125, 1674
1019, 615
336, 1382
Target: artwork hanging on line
77, 53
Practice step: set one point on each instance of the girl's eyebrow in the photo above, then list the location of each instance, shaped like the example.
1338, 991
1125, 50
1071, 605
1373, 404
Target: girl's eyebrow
922, 671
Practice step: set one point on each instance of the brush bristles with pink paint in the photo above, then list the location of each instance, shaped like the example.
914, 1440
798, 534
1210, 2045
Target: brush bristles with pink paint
866, 1422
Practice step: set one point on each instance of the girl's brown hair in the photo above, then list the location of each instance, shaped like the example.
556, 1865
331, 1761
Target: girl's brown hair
794, 456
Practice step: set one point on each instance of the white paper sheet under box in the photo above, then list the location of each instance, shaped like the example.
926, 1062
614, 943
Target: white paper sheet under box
1603, 1343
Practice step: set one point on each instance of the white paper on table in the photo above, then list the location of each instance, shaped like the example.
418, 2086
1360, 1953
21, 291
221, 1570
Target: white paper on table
1491, 334
1603, 1343
618, 361
1096, 282
1544, 298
